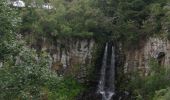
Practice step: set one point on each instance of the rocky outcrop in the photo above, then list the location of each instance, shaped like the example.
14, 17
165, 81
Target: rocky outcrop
139, 59
75, 56
70, 56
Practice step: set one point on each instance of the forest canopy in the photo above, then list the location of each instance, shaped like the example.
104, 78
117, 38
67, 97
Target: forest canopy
124, 20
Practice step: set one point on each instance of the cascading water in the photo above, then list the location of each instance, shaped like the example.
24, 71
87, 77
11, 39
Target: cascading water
106, 86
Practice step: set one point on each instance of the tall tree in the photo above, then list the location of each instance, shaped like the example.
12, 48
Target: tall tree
8, 20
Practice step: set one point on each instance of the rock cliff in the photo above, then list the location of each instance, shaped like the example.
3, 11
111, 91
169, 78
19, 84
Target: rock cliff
74, 56
154, 48
69, 56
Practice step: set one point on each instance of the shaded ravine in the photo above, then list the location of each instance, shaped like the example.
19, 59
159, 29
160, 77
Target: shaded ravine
106, 85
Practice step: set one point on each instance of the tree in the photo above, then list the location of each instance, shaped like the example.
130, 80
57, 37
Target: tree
25, 74
8, 20
67, 18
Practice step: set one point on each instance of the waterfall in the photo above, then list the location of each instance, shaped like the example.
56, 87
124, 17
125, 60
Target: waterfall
106, 85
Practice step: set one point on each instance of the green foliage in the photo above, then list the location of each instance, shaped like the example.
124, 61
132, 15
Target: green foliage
144, 88
76, 18
163, 94
8, 20
24, 74
132, 21
8, 26
67, 89
128, 21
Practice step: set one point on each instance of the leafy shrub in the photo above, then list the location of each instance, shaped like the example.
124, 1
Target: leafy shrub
8, 20
25, 75
146, 87
163, 94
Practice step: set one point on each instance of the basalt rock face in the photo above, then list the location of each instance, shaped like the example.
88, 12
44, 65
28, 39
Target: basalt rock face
153, 48
69, 56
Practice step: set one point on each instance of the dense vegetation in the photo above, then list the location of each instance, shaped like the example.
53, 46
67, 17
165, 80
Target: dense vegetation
135, 20
152, 87
128, 21
67, 18
25, 74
